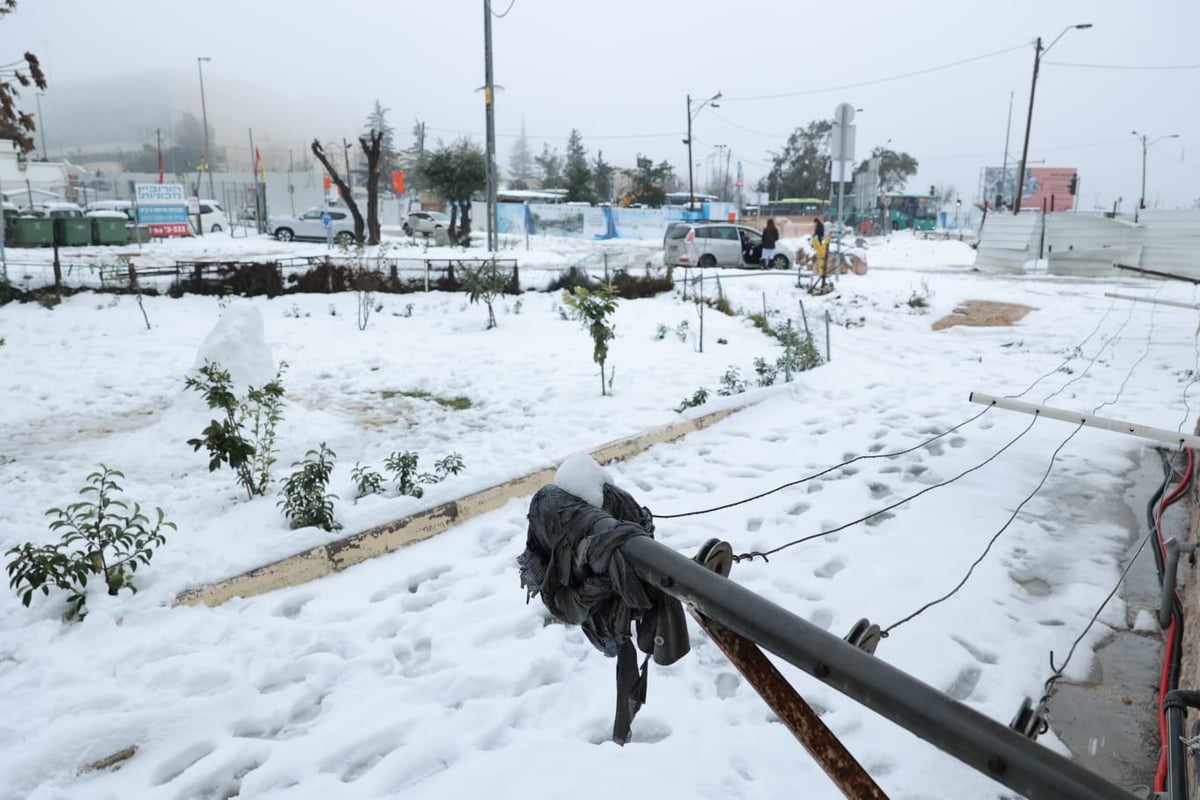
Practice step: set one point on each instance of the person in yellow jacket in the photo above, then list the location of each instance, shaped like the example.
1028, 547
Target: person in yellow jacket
821, 250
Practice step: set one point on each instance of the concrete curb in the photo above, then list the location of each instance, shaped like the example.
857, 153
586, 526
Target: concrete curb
339, 554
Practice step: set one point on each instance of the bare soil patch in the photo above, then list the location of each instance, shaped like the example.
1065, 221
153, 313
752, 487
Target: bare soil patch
983, 314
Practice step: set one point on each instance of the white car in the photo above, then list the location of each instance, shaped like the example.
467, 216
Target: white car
308, 226
717, 244
425, 222
212, 217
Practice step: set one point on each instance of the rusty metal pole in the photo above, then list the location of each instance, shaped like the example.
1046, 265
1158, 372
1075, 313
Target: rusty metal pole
796, 714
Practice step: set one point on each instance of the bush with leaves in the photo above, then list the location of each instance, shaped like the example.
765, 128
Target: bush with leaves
485, 282
698, 399
366, 481
408, 480
595, 309
245, 438
101, 536
731, 383
306, 499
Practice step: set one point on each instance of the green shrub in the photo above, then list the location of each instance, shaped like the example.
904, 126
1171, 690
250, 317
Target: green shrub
595, 309
102, 536
485, 282
306, 500
366, 481
408, 480
699, 398
245, 438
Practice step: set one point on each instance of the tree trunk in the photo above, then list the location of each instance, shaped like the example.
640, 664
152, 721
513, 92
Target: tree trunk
464, 231
453, 231
338, 181
372, 150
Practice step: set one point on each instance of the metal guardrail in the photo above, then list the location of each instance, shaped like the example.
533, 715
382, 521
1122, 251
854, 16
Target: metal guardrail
1006, 756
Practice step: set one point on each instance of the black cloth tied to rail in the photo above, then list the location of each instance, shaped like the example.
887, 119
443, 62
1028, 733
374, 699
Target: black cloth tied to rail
573, 560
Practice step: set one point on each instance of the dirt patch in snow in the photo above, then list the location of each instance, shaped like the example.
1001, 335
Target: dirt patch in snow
983, 314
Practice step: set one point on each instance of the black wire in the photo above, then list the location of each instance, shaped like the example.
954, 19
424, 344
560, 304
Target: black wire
1168, 476
1111, 340
1077, 349
827, 471
968, 471
1058, 671
992, 541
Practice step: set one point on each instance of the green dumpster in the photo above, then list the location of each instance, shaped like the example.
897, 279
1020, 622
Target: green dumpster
72, 231
109, 230
34, 232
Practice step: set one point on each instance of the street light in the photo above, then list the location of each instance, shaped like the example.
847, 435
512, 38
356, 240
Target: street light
42, 126
688, 141
1142, 200
1037, 60
204, 121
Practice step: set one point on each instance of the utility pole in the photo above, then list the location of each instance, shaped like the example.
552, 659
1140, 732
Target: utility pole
349, 177
490, 113
1037, 60
204, 121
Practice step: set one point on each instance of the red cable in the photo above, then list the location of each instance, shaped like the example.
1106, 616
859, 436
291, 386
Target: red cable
1160, 774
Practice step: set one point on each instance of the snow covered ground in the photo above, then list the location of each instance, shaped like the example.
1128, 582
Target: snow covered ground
425, 673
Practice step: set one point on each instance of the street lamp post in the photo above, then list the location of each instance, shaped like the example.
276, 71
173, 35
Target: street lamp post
688, 141
42, 126
1142, 137
204, 121
1038, 51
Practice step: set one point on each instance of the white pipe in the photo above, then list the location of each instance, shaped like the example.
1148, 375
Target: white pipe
1137, 299
1158, 434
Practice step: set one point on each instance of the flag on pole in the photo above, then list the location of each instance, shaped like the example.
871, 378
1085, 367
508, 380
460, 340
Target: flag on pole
160, 156
259, 166
740, 179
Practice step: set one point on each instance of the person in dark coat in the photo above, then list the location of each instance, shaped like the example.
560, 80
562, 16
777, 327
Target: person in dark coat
819, 230
770, 236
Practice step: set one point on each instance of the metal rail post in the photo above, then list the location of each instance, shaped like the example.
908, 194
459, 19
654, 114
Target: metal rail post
978, 741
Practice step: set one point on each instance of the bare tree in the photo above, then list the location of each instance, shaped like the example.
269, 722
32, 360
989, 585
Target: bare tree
14, 123
319, 151
373, 151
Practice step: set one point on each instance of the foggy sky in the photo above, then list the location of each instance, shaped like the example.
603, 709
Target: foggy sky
933, 79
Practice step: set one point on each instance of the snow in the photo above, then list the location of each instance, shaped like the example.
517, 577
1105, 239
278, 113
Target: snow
424, 673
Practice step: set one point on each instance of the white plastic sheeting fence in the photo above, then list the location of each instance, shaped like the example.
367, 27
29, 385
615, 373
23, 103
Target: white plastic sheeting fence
1087, 244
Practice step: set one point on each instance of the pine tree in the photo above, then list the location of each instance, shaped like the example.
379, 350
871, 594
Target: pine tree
520, 163
577, 177
412, 158
389, 158
602, 178
550, 164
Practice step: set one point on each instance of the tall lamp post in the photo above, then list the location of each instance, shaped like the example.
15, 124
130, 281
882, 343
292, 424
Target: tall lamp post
42, 126
1141, 136
204, 121
712, 101
1038, 51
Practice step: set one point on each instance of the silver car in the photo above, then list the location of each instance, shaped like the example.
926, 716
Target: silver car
717, 244
425, 222
309, 226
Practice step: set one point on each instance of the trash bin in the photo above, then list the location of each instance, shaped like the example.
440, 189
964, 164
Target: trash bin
109, 230
72, 231
34, 232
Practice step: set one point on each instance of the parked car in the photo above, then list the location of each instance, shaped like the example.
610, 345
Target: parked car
308, 225
425, 222
212, 217
717, 244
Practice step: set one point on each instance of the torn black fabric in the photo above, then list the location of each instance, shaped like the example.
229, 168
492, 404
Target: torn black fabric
573, 559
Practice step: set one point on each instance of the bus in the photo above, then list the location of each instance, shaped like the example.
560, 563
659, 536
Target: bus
916, 211
792, 207
681, 199
531, 196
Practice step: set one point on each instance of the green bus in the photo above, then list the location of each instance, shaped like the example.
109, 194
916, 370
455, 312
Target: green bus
916, 211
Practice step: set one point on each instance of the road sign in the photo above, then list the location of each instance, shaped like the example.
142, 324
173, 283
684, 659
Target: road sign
193, 205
